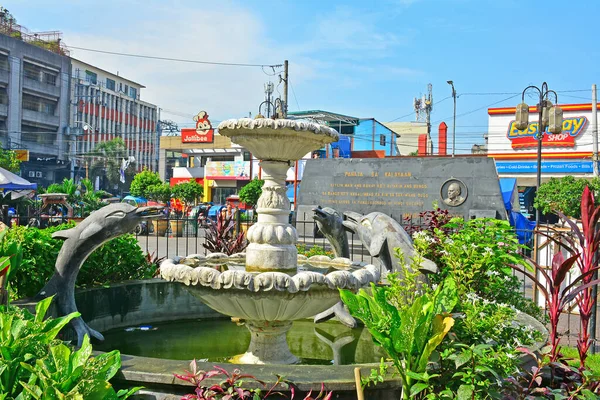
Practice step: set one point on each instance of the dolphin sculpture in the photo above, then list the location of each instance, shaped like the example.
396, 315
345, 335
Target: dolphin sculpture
381, 234
330, 223
79, 242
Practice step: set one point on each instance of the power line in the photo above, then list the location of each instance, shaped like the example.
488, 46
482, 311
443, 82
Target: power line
294, 93
176, 59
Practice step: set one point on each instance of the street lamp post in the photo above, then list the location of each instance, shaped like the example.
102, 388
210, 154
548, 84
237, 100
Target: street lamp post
451, 83
550, 117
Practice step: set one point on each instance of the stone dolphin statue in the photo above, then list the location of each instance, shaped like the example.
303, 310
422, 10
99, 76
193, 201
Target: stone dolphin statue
79, 242
330, 223
381, 234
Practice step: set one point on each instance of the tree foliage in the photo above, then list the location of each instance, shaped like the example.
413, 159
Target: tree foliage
190, 192
142, 182
106, 162
9, 161
564, 195
82, 197
250, 193
160, 192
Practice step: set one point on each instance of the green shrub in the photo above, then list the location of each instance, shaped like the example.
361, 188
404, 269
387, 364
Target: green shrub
118, 260
35, 365
315, 250
250, 193
564, 195
142, 181
477, 254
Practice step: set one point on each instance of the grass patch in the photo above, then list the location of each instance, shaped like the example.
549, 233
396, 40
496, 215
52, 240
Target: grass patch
592, 361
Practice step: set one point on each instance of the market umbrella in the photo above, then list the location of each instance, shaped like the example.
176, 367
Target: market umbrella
14, 184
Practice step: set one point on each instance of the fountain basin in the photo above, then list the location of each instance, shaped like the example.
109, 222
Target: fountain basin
267, 301
155, 301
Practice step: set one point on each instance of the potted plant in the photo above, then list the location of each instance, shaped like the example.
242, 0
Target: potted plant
161, 193
189, 193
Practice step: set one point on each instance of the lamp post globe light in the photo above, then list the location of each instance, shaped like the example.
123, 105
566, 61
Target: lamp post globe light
550, 119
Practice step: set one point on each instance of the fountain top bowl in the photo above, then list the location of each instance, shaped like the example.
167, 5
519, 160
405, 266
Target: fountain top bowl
278, 139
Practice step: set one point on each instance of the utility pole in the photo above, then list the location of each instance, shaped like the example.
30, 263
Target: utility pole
157, 145
595, 129
285, 89
451, 83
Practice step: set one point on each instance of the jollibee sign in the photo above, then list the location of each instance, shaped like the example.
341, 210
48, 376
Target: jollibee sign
203, 133
571, 128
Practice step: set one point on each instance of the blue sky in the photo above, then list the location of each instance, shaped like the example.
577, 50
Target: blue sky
360, 58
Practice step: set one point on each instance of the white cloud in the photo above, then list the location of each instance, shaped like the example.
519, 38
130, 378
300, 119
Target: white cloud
338, 52
225, 34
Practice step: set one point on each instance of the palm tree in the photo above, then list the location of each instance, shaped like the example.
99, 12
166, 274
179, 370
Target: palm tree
106, 163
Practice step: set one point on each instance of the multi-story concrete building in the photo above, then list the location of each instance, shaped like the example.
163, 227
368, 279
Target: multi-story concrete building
105, 106
34, 106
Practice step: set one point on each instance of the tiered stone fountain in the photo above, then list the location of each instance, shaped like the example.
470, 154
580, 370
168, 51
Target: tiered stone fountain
270, 292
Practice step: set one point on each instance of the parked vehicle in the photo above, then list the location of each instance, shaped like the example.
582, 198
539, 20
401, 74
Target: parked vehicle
144, 227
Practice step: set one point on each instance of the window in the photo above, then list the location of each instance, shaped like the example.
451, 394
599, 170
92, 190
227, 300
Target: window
246, 156
4, 62
49, 78
110, 84
133, 92
3, 96
31, 71
48, 108
38, 104
126, 89
382, 140
91, 77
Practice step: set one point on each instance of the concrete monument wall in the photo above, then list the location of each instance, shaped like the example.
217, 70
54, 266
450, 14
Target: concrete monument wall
403, 186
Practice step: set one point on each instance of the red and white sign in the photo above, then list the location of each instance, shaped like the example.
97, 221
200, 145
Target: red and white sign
506, 142
204, 133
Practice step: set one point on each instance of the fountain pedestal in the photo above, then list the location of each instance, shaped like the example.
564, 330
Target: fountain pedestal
268, 344
272, 239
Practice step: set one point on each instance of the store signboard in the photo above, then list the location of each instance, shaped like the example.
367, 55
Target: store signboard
22, 155
528, 167
571, 128
203, 133
238, 170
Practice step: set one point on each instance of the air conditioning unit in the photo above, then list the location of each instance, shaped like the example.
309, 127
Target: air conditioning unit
38, 174
32, 174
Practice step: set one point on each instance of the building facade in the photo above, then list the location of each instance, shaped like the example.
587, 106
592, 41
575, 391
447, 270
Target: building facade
515, 151
105, 106
412, 138
34, 108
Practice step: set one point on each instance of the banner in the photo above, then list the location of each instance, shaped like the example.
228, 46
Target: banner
227, 170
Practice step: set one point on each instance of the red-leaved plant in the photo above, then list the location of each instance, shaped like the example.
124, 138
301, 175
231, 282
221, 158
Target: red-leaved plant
581, 247
232, 386
222, 238
580, 289
588, 242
